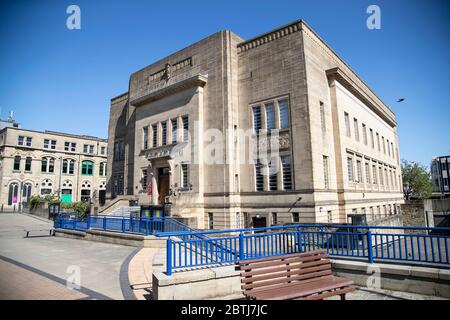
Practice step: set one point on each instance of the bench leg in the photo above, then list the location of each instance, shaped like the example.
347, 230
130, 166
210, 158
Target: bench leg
342, 296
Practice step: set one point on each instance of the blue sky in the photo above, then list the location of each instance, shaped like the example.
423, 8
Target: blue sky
59, 79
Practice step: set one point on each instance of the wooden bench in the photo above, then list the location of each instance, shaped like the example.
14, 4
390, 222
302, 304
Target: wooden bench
40, 230
302, 276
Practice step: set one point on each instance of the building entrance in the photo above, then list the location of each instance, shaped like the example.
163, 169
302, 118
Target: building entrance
163, 185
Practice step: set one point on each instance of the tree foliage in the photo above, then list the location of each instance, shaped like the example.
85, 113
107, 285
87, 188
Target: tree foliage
416, 180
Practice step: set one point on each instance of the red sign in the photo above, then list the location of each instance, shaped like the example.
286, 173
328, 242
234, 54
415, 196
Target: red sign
149, 189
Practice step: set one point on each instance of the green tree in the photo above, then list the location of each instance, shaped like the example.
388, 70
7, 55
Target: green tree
416, 180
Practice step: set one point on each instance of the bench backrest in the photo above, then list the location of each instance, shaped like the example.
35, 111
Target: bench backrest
262, 274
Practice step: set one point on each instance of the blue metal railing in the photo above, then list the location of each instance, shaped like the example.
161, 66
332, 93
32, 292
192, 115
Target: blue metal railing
368, 243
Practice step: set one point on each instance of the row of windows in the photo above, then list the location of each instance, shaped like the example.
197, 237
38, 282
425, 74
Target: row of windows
68, 166
184, 175
271, 115
285, 174
379, 211
388, 146
51, 145
374, 173
242, 221
175, 125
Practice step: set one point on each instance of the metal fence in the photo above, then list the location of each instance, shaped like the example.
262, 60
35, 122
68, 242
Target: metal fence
366, 243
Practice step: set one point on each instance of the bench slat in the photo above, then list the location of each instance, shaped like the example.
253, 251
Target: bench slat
328, 294
285, 274
284, 280
289, 267
281, 262
285, 285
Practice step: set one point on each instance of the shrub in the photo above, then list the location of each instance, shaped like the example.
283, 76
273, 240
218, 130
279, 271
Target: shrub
35, 201
81, 208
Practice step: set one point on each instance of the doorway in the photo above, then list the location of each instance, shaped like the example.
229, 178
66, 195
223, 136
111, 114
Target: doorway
259, 222
163, 185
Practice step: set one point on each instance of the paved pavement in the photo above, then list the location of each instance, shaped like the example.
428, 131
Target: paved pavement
39, 267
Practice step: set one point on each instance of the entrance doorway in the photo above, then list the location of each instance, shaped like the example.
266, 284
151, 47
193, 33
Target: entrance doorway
259, 222
163, 185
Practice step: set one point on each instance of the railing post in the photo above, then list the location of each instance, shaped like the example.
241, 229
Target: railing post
300, 242
169, 257
241, 246
104, 223
123, 224
369, 246
75, 224
88, 222
146, 227
151, 225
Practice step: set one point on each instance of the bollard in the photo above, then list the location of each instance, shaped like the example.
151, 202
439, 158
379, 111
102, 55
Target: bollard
299, 243
369, 247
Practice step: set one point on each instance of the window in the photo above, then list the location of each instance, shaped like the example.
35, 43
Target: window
144, 179
330, 216
295, 217
380, 171
24, 141
388, 147
28, 162
378, 141
68, 166
87, 168
386, 177
17, 163
273, 177
13, 193
355, 123
184, 176
88, 148
48, 165
103, 151
70, 146
257, 124
392, 150
145, 137
259, 178
284, 114
367, 169
210, 220
326, 181
119, 151
364, 130
270, 116
358, 171
322, 117
374, 174
287, 172
173, 132
185, 120
46, 187
372, 142
274, 218
384, 145
49, 144
238, 220
102, 169
154, 136
350, 169
347, 124
164, 133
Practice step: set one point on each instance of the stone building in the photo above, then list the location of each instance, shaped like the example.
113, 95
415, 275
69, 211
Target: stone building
332, 143
440, 175
42, 163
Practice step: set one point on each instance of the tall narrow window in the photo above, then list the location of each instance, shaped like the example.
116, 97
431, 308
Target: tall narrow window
164, 133
144, 179
388, 147
380, 172
273, 177
322, 117
259, 178
154, 136
350, 169
270, 116
347, 124
68, 166
287, 172
364, 129
184, 176
28, 141
185, 120
355, 123
257, 124
295, 217
210, 220
392, 151
48, 165
21, 140
274, 218
173, 133
374, 174
17, 163
28, 162
358, 171
326, 181
145, 138
367, 169
384, 145
238, 220
102, 169
87, 168
284, 114
372, 143
378, 141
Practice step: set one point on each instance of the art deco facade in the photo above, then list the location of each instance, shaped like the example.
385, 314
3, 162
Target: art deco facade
41, 163
337, 141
